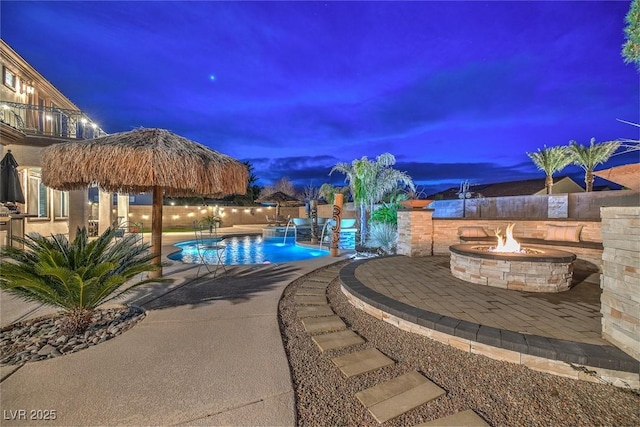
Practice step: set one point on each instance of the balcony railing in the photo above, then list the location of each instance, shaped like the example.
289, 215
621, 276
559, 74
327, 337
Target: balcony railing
49, 121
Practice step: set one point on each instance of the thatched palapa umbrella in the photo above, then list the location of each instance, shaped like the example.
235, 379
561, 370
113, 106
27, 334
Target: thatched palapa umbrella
279, 198
144, 160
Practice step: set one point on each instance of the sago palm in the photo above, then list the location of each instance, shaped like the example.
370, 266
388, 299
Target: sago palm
75, 276
588, 157
551, 160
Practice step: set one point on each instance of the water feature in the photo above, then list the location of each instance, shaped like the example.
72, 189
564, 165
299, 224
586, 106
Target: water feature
286, 230
329, 222
240, 250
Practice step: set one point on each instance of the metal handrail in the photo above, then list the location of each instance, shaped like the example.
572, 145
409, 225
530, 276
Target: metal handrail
51, 121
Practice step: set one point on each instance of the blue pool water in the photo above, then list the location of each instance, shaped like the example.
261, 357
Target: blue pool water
249, 250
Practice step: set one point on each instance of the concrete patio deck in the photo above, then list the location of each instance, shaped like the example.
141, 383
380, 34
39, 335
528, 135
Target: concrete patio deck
209, 352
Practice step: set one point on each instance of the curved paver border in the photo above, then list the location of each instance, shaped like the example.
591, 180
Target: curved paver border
560, 357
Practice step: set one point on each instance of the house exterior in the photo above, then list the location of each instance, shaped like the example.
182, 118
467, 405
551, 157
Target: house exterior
33, 115
529, 187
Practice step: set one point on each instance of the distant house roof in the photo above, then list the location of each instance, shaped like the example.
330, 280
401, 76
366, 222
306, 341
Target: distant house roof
512, 188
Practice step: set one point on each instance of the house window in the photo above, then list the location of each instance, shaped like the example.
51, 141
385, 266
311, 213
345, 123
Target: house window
60, 204
9, 78
37, 194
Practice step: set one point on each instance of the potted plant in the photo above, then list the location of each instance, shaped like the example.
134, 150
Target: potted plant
212, 222
414, 199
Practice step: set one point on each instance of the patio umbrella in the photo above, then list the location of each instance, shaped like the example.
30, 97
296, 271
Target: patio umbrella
144, 160
10, 189
625, 175
279, 198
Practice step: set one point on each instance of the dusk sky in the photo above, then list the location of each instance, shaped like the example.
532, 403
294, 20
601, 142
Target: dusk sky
455, 90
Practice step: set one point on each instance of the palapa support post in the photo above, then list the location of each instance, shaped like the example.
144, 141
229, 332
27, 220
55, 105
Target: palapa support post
314, 221
156, 235
337, 216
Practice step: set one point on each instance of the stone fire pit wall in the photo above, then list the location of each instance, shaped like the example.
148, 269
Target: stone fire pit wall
548, 272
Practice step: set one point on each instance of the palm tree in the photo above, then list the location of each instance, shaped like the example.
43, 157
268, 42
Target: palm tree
369, 182
77, 276
328, 192
631, 48
590, 157
551, 160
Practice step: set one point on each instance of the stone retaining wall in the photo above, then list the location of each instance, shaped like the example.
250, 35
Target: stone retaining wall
620, 279
419, 234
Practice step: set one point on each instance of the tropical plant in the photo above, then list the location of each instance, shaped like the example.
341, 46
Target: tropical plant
416, 193
328, 192
370, 181
551, 160
383, 236
75, 276
387, 213
588, 157
253, 190
631, 48
212, 221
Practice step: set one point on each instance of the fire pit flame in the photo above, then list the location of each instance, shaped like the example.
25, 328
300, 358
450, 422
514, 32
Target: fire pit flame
507, 243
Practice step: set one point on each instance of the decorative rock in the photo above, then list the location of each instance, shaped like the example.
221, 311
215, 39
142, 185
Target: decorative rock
47, 349
42, 338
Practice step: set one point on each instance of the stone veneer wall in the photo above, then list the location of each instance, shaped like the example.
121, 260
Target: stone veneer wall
620, 279
419, 234
415, 232
514, 274
445, 233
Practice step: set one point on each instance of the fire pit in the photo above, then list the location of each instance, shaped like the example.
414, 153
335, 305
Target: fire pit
523, 269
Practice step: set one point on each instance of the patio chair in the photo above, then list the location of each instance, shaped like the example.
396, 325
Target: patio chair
271, 220
209, 249
130, 227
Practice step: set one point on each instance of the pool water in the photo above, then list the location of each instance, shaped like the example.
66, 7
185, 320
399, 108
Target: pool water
249, 250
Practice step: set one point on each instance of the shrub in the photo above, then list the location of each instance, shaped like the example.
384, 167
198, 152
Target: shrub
384, 236
76, 277
386, 214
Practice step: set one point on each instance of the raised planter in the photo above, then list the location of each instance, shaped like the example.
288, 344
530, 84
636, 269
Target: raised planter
415, 203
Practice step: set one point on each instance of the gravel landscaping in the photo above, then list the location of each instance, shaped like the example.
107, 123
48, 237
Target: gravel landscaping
41, 338
502, 393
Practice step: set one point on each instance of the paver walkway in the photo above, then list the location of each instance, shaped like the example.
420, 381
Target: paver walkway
386, 400
548, 332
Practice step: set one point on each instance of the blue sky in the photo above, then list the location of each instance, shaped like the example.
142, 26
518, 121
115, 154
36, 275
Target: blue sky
455, 90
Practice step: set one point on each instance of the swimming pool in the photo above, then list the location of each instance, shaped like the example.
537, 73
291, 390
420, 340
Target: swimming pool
250, 250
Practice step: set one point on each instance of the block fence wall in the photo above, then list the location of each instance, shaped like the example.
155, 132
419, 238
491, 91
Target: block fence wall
177, 217
620, 279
